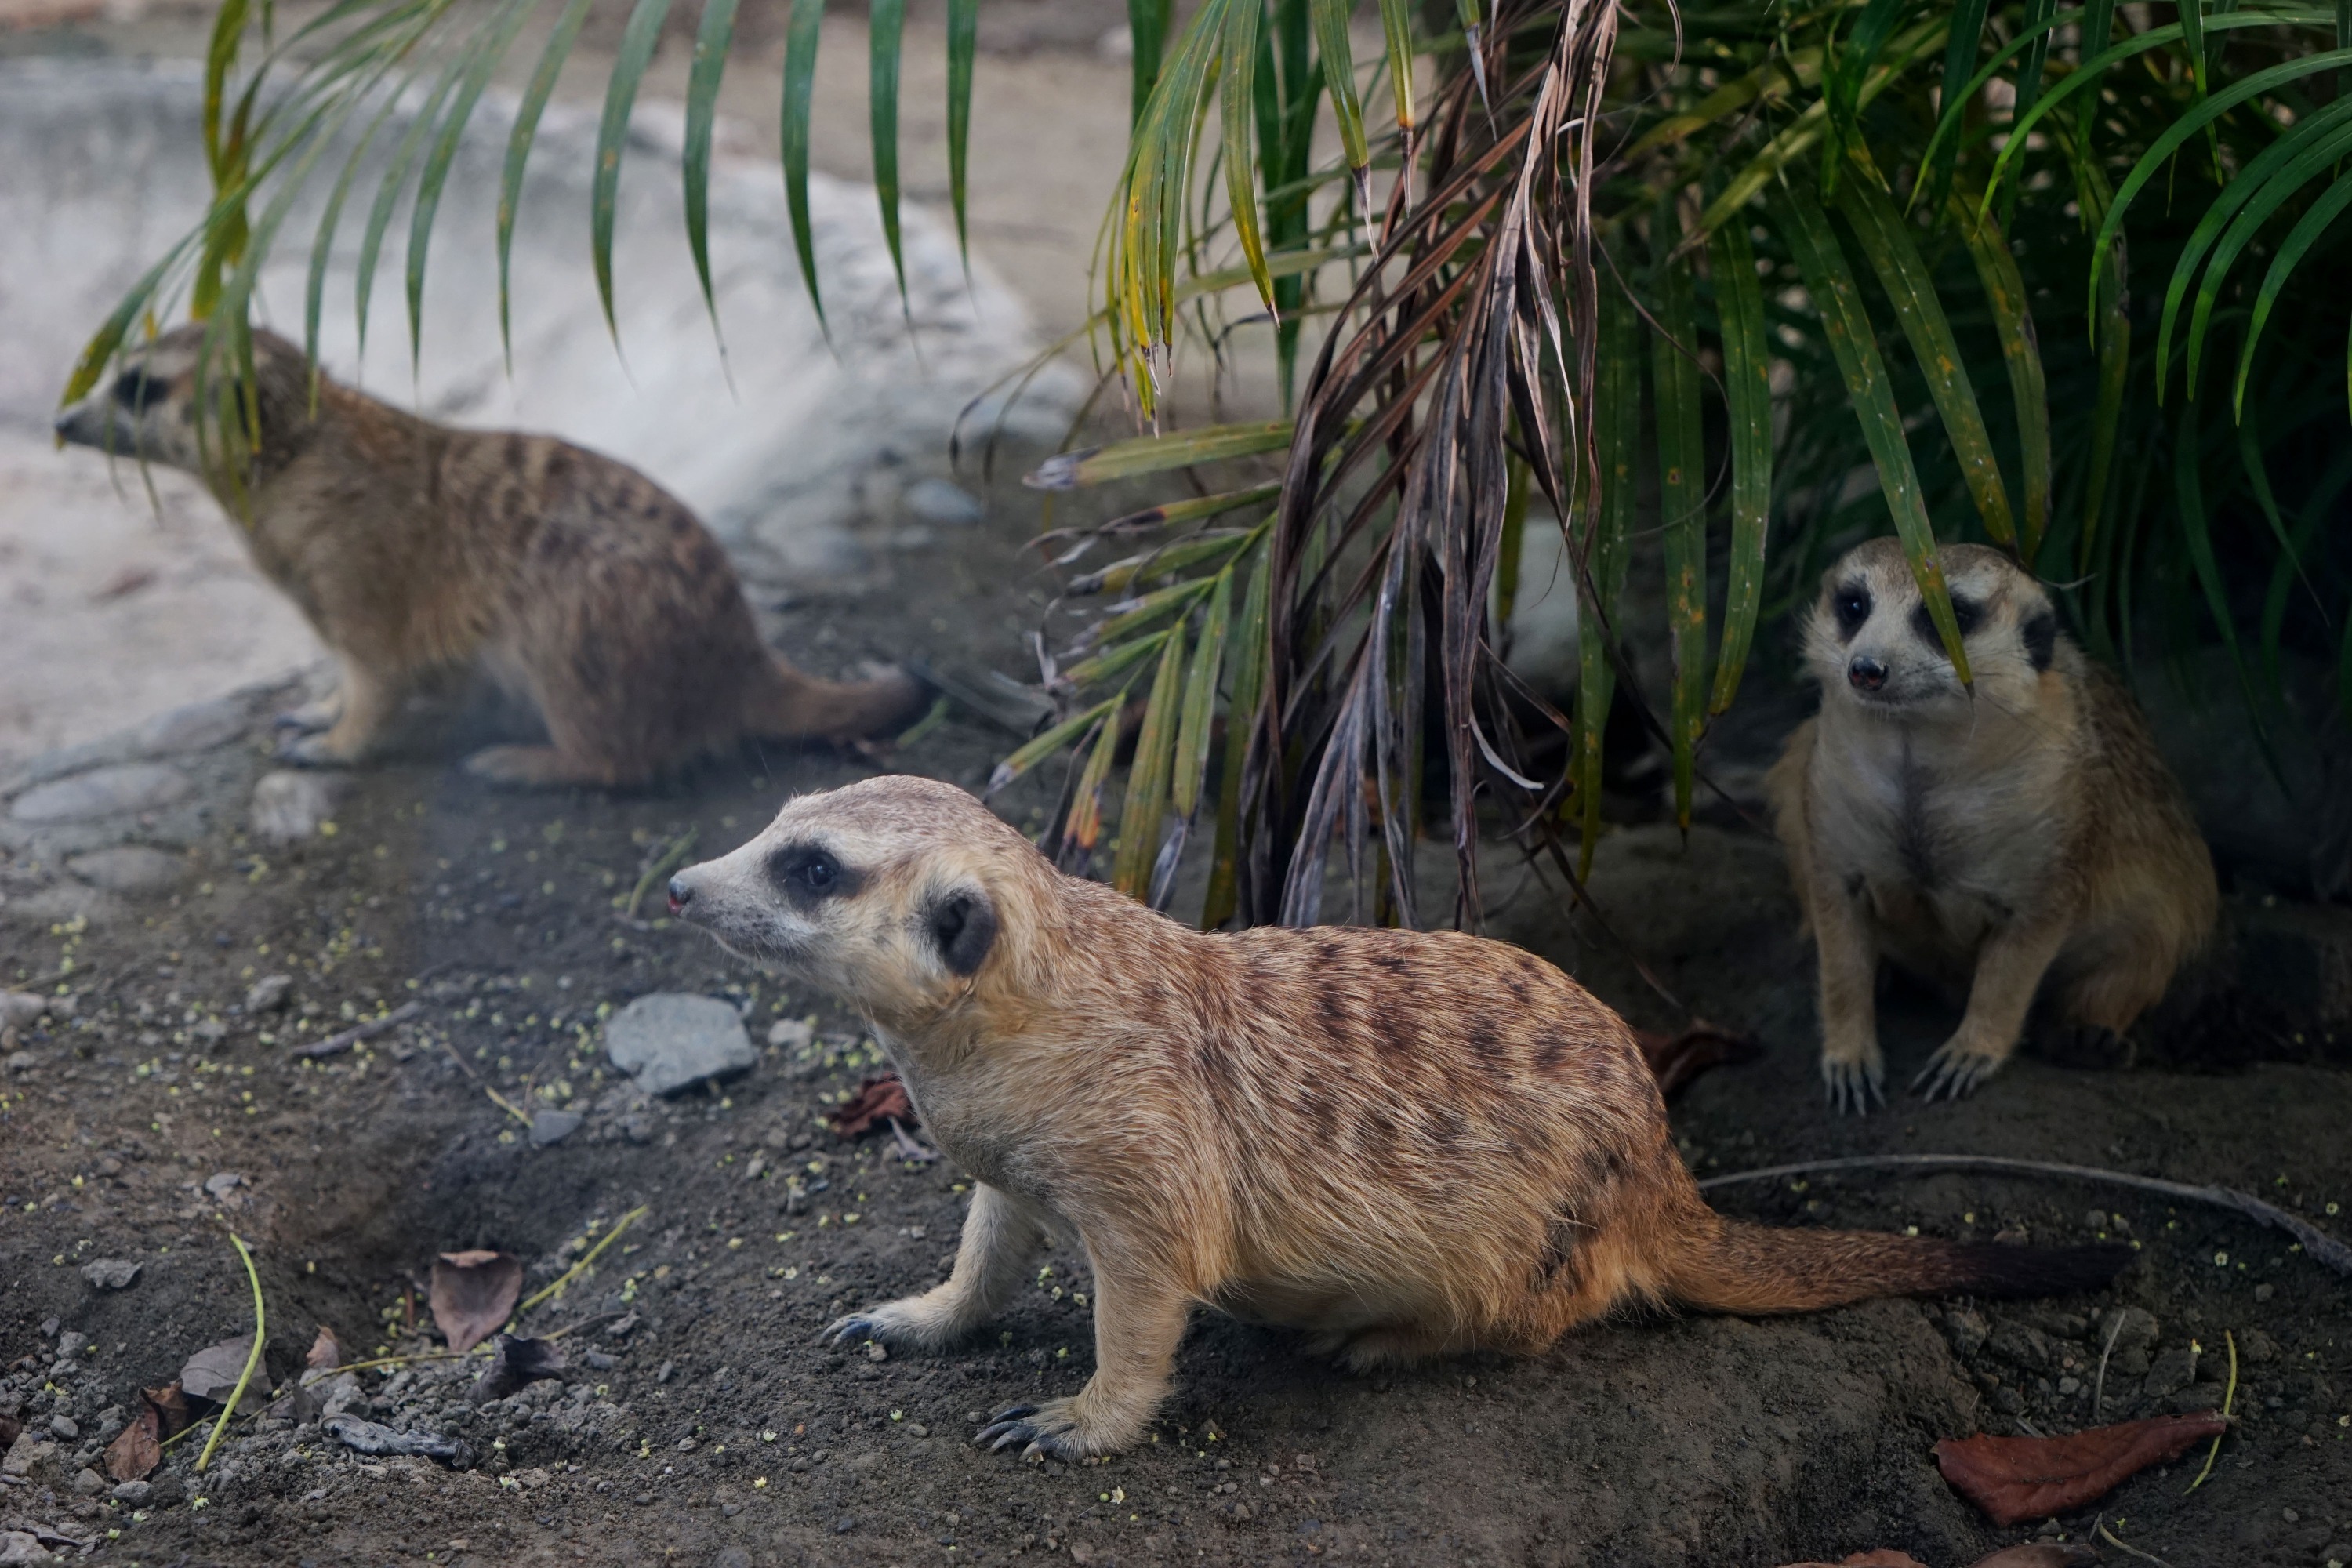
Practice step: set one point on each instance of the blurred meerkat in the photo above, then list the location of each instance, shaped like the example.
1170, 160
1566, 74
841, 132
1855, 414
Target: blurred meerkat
2028, 836
417, 550
1407, 1143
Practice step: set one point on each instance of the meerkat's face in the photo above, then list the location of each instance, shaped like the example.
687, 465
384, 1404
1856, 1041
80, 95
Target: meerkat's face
149, 410
1873, 645
879, 893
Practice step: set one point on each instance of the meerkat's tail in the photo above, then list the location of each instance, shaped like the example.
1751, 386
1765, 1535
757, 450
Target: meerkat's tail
1731, 1266
788, 703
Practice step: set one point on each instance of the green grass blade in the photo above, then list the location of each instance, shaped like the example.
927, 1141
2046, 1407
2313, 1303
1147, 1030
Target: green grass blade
1618, 435
387, 194
1036, 750
1960, 64
963, 47
1887, 245
1146, 807
224, 240
1748, 395
1847, 326
713, 36
2190, 501
2106, 417
1191, 766
331, 219
2004, 291
1084, 827
1252, 651
1844, 97
487, 49
1183, 555
1682, 503
806, 29
1236, 93
1146, 26
535, 95
2300, 239
885, 43
1396, 31
638, 40
1330, 17
1114, 662
1156, 454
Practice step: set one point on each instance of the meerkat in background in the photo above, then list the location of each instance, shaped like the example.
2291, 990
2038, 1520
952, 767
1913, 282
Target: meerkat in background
1990, 843
416, 551
1407, 1143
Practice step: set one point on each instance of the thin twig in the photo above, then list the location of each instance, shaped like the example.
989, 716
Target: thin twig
252, 1357
2229, 1397
500, 1101
669, 860
2099, 1393
2334, 1254
624, 1222
2132, 1551
366, 1030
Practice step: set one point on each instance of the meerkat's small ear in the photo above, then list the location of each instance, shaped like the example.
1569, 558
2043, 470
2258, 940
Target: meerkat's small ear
964, 924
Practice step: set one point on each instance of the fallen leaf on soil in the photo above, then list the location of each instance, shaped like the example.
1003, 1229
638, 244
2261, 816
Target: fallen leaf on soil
1676, 1060
514, 1364
2017, 1478
138, 1450
1882, 1558
2040, 1555
473, 1292
171, 1408
324, 1349
212, 1372
880, 1098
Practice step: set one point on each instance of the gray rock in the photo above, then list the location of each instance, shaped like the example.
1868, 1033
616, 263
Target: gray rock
222, 1183
553, 1126
1967, 1331
20, 1548
29, 1453
198, 726
71, 1344
88, 1482
289, 806
110, 1273
791, 1034
944, 502
2260, 1348
269, 993
2134, 1333
2196, 1397
64, 1426
103, 791
67, 901
131, 868
2172, 1372
670, 1041
19, 1009
2023, 1346
135, 1493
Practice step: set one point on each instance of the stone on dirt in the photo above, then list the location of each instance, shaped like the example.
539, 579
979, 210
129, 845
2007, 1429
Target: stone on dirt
553, 1126
103, 791
132, 869
110, 1273
289, 806
671, 1041
19, 1547
269, 993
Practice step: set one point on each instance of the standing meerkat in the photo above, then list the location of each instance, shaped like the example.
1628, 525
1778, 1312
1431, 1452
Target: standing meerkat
1407, 1143
416, 551
1985, 843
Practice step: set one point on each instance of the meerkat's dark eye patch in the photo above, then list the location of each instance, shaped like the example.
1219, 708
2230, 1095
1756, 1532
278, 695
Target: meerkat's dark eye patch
2040, 635
964, 924
1851, 604
135, 389
1967, 612
809, 873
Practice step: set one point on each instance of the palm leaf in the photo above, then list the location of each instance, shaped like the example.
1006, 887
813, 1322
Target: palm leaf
1748, 392
519, 141
1682, 503
2004, 291
712, 38
636, 52
801, 39
1145, 808
1156, 454
963, 46
887, 27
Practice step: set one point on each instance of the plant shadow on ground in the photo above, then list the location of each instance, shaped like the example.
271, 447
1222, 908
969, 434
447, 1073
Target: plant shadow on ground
701, 1422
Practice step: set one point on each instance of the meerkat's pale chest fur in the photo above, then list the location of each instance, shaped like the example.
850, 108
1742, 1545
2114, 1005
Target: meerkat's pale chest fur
1988, 842
1405, 1143
416, 551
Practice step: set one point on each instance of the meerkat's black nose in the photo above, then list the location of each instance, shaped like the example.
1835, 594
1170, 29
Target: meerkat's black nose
681, 895
1865, 674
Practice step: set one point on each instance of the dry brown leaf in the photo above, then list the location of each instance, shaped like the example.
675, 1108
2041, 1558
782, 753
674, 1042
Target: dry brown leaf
325, 1352
1676, 1060
879, 1099
170, 1407
515, 1365
1882, 1558
2040, 1555
473, 1293
212, 1372
138, 1448
2017, 1478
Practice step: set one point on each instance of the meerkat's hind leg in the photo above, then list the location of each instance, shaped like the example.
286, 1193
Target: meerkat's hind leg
999, 1238
1138, 1324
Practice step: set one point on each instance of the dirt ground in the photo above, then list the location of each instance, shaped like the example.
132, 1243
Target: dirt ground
699, 1421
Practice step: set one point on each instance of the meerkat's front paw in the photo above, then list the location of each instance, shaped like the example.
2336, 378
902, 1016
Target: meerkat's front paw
312, 751
312, 717
1852, 1077
897, 1325
1956, 1069
1053, 1429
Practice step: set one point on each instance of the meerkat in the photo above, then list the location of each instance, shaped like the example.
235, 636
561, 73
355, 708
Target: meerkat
417, 551
1406, 1143
2022, 838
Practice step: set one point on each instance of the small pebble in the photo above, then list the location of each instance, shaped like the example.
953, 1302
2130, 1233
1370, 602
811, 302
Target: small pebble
876, 1353
64, 1426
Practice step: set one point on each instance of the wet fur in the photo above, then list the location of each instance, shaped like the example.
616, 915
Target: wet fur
416, 551
1405, 1143
2023, 840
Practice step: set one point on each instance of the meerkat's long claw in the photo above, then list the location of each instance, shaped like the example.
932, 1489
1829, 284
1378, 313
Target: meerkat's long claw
1951, 1074
1007, 1427
1850, 1086
841, 1330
